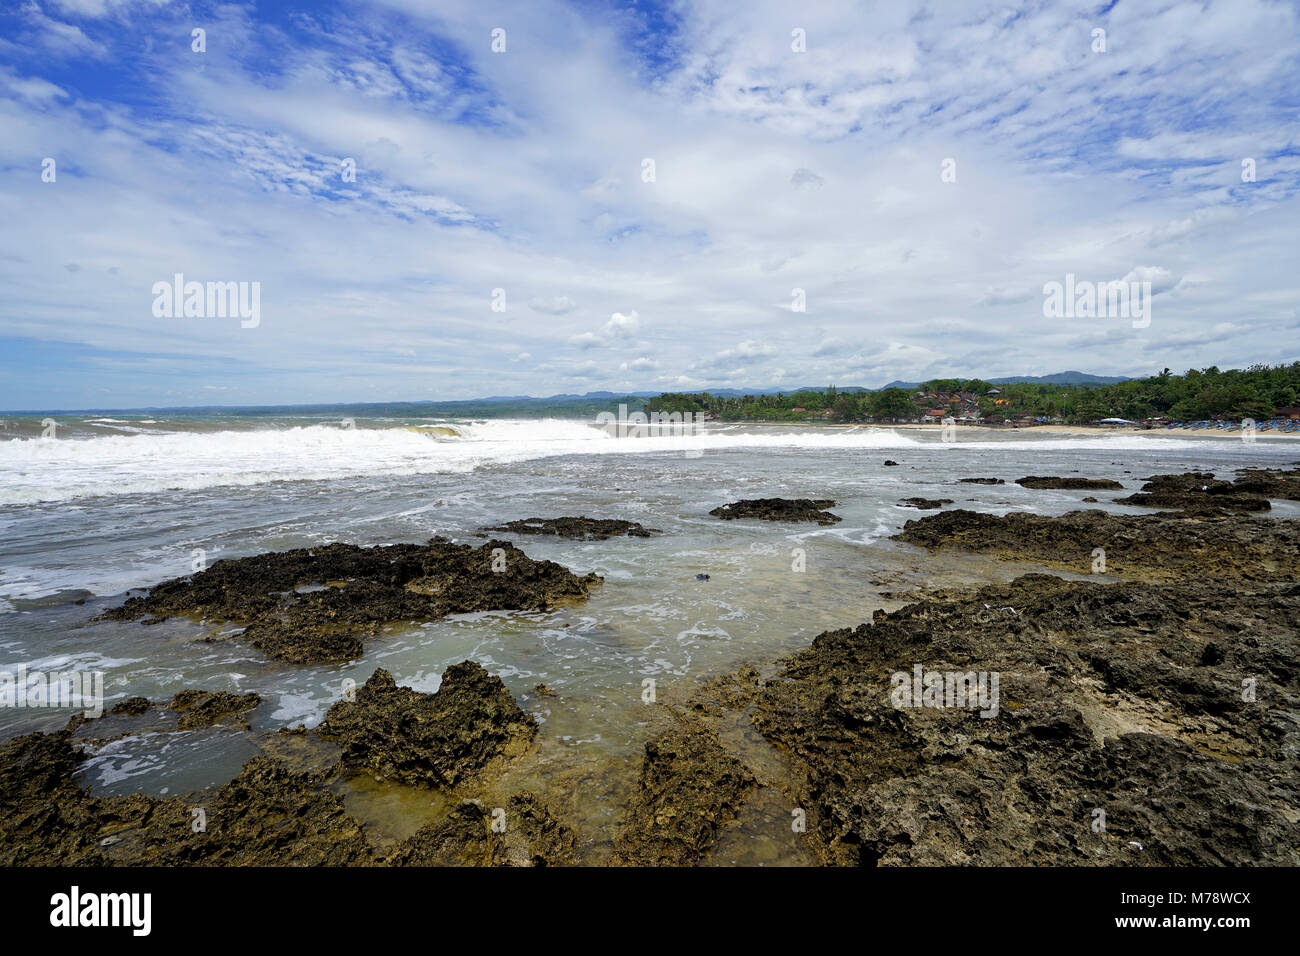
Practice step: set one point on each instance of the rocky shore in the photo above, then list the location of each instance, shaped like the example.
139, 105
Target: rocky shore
317, 605
1145, 711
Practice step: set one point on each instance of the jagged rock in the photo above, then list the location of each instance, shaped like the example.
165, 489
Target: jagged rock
689, 787
1124, 698
1157, 546
268, 815
528, 835
315, 605
436, 739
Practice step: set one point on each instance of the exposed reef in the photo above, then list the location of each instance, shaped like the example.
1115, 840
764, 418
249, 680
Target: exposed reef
780, 509
316, 605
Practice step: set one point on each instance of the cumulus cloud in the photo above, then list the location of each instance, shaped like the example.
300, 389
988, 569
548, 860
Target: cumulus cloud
616, 331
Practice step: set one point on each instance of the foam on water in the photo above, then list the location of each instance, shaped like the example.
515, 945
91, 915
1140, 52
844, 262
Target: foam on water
37, 470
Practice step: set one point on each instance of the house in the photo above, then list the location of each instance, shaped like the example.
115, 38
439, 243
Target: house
994, 391
798, 410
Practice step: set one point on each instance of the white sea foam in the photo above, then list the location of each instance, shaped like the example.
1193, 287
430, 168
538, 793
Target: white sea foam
36, 470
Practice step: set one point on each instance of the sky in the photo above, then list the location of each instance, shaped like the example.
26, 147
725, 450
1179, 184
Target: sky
597, 195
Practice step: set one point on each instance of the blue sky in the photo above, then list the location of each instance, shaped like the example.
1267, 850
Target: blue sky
522, 171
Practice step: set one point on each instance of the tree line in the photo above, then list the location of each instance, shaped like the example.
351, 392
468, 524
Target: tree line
1255, 392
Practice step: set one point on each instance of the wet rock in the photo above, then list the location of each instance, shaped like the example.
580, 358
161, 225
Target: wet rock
541, 690
526, 834
131, 707
436, 739
1090, 500
981, 481
1123, 697
1199, 503
1198, 492
203, 708
1269, 482
1156, 546
463, 839
1041, 483
267, 815
315, 605
890, 463
585, 529
925, 504
780, 509
689, 788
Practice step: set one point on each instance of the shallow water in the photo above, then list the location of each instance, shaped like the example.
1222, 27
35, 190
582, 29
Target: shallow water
89, 517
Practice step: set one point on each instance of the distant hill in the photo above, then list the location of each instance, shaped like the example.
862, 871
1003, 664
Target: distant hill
563, 405
1060, 378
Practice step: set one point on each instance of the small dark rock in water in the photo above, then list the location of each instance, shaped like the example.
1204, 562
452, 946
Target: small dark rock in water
889, 461
925, 504
1090, 500
586, 529
981, 481
437, 739
1101, 484
701, 577
780, 509
541, 690
131, 707
315, 605
203, 708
